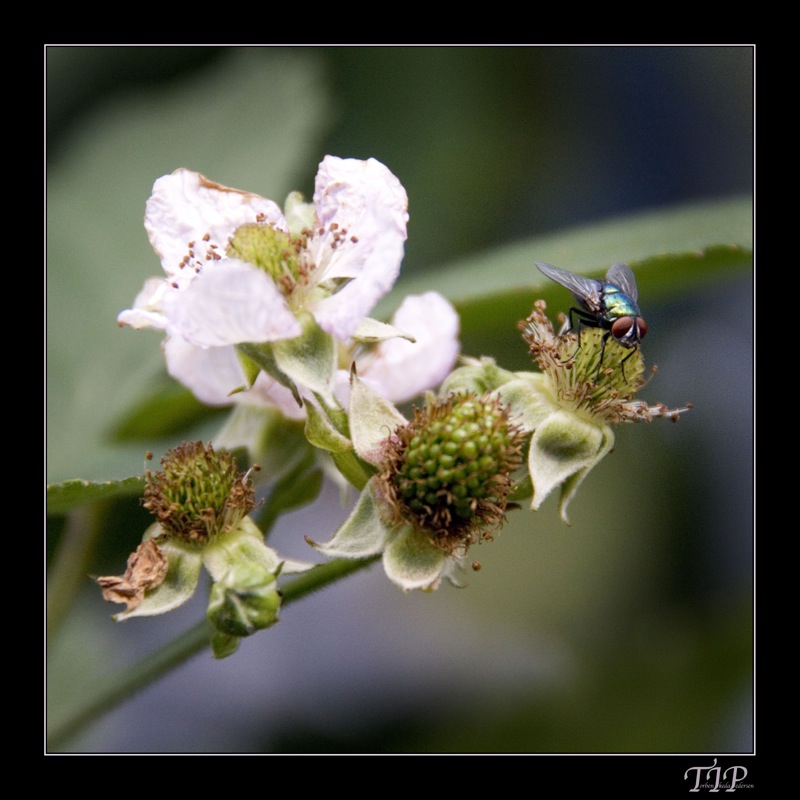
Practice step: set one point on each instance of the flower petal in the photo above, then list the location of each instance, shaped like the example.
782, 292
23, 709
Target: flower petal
269, 392
362, 209
211, 374
189, 219
401, 370
147, 308
231, 302
214, 374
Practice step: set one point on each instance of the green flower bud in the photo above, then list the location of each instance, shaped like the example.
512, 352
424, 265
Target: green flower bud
587, 383
201, 501
477, 376
442, 483
244, 600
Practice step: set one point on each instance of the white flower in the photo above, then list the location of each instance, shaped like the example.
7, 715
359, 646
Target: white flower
240, 271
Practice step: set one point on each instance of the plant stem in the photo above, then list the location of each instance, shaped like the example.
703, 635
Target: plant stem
70, 564
125, 684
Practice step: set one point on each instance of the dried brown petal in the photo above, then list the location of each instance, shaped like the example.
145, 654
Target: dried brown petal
147, 568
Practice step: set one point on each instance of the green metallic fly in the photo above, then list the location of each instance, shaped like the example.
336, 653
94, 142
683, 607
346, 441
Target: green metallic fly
610, 304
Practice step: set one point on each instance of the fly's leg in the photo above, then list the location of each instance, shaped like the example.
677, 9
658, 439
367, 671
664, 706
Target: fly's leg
622, 363
585, 320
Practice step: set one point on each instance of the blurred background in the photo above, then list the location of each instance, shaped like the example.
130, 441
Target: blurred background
630, 630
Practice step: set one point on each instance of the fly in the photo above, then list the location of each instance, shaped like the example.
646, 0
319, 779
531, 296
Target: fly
611, 304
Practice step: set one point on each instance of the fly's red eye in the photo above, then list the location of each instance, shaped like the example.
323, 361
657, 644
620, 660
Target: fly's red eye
622, 327
628, 330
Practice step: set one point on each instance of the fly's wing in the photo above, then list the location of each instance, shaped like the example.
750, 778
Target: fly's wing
622, 276
587, 291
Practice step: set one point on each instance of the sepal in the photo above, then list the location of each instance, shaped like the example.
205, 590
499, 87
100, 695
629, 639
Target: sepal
564, 447
372, 419
371, 331
364, 533
413, 562
179, 584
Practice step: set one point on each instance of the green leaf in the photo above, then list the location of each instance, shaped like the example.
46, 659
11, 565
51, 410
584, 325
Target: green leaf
673, 250
168, 411
297, 488
63, 497
707, 236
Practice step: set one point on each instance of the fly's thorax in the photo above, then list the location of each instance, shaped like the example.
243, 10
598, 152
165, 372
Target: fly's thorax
617, 304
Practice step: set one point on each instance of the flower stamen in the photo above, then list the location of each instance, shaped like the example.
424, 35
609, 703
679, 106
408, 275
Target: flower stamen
576, 375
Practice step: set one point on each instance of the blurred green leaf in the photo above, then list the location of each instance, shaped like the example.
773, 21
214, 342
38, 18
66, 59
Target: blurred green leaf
682, 233
297, 488
673, 251
168, 411
62, 497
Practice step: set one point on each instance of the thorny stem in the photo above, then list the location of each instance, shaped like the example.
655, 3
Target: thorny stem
125, 684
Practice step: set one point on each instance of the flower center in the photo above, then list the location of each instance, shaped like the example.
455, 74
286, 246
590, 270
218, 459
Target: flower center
450, 469
590, 372
199, 494
279, 254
